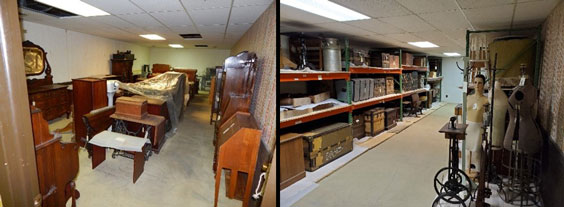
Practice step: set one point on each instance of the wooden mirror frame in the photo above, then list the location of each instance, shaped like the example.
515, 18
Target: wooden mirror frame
29, 47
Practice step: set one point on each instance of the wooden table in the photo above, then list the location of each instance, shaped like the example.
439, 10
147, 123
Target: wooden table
134, 124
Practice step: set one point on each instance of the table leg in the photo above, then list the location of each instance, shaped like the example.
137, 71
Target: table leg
98, 155
138, 164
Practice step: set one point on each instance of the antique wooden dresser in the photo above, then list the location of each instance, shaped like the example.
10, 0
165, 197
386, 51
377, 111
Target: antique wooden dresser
53, 100
122, 64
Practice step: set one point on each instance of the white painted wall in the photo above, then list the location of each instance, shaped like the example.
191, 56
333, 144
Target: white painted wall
75, 55
452, 79
188, 58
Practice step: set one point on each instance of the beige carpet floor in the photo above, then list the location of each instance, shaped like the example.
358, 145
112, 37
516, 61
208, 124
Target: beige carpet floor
398, 172
180, 175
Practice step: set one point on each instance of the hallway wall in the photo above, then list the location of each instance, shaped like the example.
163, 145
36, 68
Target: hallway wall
452, 78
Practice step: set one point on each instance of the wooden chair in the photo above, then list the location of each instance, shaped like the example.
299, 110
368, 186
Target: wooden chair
57, 163
414, 105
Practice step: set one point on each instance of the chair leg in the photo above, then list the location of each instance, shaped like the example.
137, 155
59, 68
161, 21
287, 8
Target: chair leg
217, 181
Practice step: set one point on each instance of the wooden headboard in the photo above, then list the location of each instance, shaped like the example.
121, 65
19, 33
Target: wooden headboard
191, 73
160, 68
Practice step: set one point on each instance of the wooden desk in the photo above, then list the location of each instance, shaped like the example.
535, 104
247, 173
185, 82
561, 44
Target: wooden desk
156, 122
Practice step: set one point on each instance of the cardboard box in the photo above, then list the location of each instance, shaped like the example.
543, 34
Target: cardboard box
295, 101
131, 107
291, 113
320, 97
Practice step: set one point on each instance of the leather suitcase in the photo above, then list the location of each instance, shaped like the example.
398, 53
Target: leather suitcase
374, 121
131, 107
391, 117
356, 89
358, 126
370, 88
325, 144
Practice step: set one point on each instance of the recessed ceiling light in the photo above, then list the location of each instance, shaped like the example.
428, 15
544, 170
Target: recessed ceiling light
451, 54
176, 45
75, 6
424, 44
152, 37
326, 8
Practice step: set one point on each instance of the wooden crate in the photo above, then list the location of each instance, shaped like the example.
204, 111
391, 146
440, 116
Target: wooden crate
326, 144
390, 85
292, 167
391, 117
374, 121
358, 126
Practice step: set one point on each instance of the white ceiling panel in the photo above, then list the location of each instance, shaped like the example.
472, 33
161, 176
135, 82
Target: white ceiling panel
466, 4
205, 4
213, 36
158, 5
288, 14
497, 16
406, 37
212, 29
238, 3
376, 26
186, 29
410, 23
115, 6
534, 12
247, 14
142, 19
344, 28
429, 6
375, 8
446, 20
435, 37
456, 34
238, 28
173, 18
210, 16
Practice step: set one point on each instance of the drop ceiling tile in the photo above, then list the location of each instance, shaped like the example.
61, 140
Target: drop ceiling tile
375, 8
173, 18
376, 26
247, 14
213, 36
298, 27
291, 14
456, 34
238, 3
210, 16
238, 28
185, 29
490, 17
435, 37
467, 4
404, 38
534, 12
205, 4
115, 6
142, 20
158, 5
344, 28
428, 6
212, 29
410, 23
446, 20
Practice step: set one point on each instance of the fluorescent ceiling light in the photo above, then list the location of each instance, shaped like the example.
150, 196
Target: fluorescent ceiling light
424, 44
326, 8
176, 45
152, 37
75, 6
451, 54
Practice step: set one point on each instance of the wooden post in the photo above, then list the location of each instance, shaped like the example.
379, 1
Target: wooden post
18, 174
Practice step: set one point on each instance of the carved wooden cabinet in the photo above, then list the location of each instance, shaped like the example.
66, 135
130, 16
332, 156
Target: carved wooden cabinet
88, 94
53, 100
122, 64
